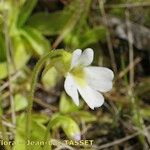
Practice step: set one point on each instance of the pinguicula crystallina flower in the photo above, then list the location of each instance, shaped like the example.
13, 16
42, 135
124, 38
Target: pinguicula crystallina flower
88, 81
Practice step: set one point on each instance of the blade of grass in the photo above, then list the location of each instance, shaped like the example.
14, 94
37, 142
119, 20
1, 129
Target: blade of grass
136, 116
69, 25
108, 38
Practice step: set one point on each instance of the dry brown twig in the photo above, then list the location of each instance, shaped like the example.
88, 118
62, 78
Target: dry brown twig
133, 5
131, 52
6, 84
129, 67
119, 141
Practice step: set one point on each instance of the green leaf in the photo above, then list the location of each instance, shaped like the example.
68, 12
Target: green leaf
92, 36
37, 134
3, 70
67, 105
20, 54
36, 40
26, 11
20, 133
19, 141
40, 118
20, 102
84, 116
47, 23
2, 49
88, 37
50, 78
20, 57
71, 16
13, 9
145, 112
65, 22
55, 123
118, 12
69, 126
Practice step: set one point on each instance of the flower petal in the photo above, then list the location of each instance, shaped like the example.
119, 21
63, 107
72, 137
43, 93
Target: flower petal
71, 89
99, 78
101, 71
91, 97
75, 57
86, 57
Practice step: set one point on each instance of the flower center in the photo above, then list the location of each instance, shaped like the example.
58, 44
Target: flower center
79, 76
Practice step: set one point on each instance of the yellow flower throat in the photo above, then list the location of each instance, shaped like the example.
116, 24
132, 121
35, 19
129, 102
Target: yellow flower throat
79, 76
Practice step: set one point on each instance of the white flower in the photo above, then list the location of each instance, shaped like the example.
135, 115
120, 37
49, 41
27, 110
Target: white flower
87, 80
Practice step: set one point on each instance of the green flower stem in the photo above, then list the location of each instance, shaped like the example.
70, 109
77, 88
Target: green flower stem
37, 69
46, 137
